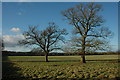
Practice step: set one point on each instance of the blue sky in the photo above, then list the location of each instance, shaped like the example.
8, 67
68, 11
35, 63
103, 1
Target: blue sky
16, 17
60, 0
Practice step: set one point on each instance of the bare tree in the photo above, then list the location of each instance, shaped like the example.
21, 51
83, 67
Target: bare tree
47, 39
1, 44
87, 26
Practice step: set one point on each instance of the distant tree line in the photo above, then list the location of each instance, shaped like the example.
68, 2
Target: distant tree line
12, 53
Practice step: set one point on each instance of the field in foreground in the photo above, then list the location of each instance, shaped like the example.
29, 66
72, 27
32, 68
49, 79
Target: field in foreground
60, 67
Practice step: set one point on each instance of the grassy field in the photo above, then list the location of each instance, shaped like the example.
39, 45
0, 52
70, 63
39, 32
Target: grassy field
98, 67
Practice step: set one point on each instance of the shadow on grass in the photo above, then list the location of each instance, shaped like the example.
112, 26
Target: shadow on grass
101, 60
107, 60
45, 61
9, 71
48, 61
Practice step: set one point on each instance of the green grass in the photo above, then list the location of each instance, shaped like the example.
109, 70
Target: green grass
62, 67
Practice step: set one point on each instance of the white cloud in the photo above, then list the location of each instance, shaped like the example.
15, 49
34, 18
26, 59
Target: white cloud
24, 0
11, 43
0, 32
18, 49
14, 0
12, 40
15, 29
19, 13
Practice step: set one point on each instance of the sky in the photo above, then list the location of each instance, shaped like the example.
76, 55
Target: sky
59, 0
17, 16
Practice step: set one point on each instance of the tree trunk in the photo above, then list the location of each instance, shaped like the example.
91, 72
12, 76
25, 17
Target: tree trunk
83, 51
83, 59
46, 57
